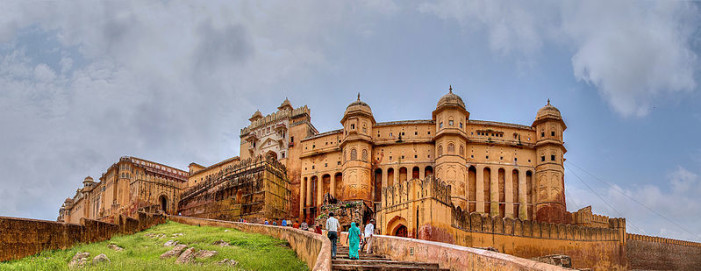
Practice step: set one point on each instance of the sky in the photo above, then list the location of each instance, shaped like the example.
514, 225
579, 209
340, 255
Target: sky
83, 83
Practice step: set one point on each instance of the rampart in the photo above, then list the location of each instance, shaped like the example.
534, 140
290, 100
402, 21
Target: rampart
21, 237
657, 253
452, 257
314, 249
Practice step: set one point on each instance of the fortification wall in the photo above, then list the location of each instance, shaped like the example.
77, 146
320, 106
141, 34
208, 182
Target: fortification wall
21, 237
312, 248
597, 248
657, 253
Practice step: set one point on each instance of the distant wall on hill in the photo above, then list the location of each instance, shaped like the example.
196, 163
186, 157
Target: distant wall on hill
22, 237
657, 253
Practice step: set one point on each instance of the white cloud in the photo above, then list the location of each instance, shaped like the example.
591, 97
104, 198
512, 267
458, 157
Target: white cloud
167, 81
633, 52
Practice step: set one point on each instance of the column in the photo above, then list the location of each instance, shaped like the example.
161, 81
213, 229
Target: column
422, 173
494, 191
522, 195
479, 188
396, 175
509, 192
332, 189
309, 191
384, 178
302, 193
319, 193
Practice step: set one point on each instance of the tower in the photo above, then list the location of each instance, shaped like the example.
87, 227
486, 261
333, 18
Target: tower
357, 148
549, 172
451, 118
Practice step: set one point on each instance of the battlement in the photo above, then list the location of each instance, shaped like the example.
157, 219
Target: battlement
276, 116
477, 222
662, 240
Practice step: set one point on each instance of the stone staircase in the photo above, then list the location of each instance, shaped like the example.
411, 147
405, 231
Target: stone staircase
376, 262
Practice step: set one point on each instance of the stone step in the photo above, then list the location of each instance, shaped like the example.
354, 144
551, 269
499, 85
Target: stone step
366, 257
381, 267
362, 261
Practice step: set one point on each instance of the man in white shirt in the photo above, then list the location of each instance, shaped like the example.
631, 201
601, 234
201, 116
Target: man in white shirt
369, 231
332, 226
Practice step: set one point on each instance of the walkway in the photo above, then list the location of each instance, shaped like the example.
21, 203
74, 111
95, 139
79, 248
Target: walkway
377, 262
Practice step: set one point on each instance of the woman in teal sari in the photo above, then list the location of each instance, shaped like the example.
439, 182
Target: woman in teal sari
353, 241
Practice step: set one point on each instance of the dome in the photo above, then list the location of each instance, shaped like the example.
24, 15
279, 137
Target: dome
358, 107
450, 99
548, 111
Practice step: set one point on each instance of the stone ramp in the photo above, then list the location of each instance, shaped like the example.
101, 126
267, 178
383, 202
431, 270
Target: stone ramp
377, 262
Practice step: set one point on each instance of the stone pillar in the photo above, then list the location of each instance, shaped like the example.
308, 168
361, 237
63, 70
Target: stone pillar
332, 183
319, 193
509, 192
384, 177
302, 194
522, 195
309, 191
396, 175
494, 191
479, 188
422, 173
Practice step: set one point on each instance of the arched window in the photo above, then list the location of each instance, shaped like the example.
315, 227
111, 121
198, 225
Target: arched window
462, 150
354, 155
451, 148
365, 155
440, 150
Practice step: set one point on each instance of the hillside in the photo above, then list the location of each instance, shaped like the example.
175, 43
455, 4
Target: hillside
235, 250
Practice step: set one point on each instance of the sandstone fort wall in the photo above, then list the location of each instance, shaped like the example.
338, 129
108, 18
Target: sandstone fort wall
312, 248
21, 237
657, 253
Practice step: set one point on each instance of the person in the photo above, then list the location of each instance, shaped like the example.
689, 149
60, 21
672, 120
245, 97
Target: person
317, 229
284, 223
274, 223
369, 231
304, 226
266, 222
332, 226
296, 224
353, 242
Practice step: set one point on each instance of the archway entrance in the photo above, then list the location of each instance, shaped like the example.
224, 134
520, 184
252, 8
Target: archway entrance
401, 231
164, 204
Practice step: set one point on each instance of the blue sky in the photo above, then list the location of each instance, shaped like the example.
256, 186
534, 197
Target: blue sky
86, 82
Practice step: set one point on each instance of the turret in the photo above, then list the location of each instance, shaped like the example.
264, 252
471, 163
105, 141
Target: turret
357, 149
451, 118
88, 181
549, 171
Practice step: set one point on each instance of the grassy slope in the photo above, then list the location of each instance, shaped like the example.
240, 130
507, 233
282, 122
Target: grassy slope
252, 251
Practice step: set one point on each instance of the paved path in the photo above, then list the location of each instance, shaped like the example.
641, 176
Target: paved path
377, 262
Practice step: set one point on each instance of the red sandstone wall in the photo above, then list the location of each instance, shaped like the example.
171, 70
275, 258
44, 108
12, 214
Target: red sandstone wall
21, 237
655, 253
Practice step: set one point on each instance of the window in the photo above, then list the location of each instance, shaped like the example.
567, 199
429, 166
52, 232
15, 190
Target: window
487, 157
312, 166
390, 158
515, 159
440, 150
354, 155
552, 133
402, 133
542, 134
472, 156
352, 126
451, 148
440, 125
501, 158
450, 122
326, 164
552, 157
283, 154
429, 132
542, 158
338, 163
461, 125
416, 133
416, 156
365, 155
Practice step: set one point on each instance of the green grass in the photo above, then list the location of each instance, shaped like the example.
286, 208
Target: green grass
252, 251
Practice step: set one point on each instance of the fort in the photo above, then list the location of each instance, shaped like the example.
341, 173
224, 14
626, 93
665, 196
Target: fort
448, 179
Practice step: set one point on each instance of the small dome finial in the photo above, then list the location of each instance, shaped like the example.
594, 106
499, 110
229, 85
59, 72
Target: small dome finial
450, 89
548, 101
358, 96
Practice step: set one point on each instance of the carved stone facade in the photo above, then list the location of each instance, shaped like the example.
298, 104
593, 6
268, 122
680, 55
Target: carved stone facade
130, 185
498, 169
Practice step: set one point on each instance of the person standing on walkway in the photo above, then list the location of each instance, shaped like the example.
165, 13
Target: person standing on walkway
369, 232
332, 227
304, 226
353, 242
